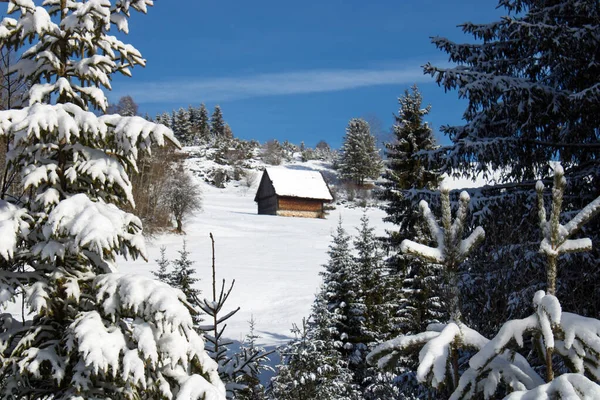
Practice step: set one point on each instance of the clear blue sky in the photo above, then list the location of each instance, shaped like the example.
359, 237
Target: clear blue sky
296, 70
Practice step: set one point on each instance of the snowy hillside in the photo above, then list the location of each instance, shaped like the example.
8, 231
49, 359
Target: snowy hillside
275, 260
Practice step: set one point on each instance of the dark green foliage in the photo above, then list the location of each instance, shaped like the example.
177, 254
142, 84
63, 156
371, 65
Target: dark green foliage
312, 366
217, 123
532, 81
203, 127
416, 285
417, 281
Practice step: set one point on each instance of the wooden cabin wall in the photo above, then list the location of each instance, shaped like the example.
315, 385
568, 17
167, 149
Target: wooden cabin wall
295, 203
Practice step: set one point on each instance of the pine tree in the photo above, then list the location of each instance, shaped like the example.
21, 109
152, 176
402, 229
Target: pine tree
312, 366
182, 127
183, 277
372, 310
532, 85
563, 341
204, 128
441, 343
217, 124
93, 333
360, 159
162, 274
194, 122
419, 302
340, 290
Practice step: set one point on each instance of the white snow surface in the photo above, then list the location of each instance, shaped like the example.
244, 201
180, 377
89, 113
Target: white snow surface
299, 183
274, 260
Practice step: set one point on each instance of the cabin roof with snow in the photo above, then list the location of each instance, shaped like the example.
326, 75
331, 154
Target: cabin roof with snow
298, 183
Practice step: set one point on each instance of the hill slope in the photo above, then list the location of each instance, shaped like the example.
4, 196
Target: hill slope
275, 261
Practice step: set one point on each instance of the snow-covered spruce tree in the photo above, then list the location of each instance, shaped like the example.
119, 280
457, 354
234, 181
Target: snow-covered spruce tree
217, 123
203, 123
566, 343
405, 174
359, 158
183, 277
162, 273
312, 366
340, 290
415, 284
439, 356
165, 119
194, 121
530, 99
183, 127
93, 333
373, 311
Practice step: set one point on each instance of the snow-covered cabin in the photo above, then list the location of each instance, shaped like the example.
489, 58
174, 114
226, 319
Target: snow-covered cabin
292, 193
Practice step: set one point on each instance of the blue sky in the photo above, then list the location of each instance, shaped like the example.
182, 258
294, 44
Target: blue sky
296, 70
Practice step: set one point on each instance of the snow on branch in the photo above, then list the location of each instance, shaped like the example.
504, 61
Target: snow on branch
437, 345
556, 236
566, 386
13, 225
90, 225
451, 250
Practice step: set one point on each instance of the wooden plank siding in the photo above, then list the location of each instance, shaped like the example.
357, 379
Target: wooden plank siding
300, 207
296, 203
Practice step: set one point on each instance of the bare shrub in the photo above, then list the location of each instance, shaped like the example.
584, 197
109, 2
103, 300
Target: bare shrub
149, 187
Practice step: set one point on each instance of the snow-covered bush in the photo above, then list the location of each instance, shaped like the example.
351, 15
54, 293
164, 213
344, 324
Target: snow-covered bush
91, 333
565, 343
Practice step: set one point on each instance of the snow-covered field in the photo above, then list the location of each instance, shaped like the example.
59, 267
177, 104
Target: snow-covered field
275, 261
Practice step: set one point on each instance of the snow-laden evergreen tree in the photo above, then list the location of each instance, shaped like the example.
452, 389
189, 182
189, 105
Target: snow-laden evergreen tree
373, 312
340, 291
359, 158
182, 126
91, 333
162, 274
183, 277
533, 89
415, 284
405, 174
441, 343
194, 121
566, 344
203, 123
217, 123
165, 119
312, 366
